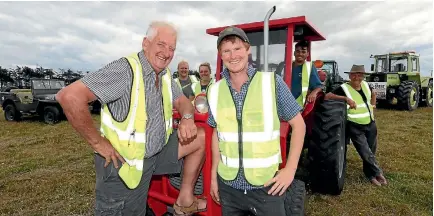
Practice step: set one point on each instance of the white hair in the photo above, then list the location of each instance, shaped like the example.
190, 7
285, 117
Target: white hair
157, 25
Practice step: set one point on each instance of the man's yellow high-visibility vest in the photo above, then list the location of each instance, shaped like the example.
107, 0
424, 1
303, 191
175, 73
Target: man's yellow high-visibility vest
305, 77
129, 136
363, 114
253, 142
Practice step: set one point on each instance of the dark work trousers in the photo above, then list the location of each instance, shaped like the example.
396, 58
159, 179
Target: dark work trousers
364, 138
256, 202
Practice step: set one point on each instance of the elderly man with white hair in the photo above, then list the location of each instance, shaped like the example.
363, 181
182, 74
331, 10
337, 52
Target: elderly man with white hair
135, 140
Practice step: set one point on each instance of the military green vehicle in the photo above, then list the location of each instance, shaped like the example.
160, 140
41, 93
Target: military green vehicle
396, 79
333, 79
38, 100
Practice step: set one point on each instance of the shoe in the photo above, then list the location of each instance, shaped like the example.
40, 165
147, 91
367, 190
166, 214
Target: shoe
375, 182
380, 178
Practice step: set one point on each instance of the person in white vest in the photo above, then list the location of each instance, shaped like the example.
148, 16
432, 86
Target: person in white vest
136, 139
185, 80
205, 79
246, 107
361, 126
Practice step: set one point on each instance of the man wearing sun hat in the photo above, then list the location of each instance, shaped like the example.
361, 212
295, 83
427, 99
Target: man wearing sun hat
246, 107
361, 126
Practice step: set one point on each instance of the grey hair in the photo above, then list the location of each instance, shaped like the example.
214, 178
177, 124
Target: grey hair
156, 25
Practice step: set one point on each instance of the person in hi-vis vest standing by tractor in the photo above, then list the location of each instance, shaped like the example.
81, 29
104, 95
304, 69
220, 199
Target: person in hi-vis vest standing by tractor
136, 139
185, 80
361, 126
205, 79
246, 107
305, 81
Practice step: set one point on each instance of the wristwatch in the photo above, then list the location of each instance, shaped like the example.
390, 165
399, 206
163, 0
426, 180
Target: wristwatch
187, 116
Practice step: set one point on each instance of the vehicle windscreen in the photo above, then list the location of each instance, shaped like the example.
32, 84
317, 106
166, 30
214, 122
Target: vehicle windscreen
48, 84
395, 64
276, 50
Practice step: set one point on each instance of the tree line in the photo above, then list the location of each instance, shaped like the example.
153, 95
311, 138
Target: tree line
20, 76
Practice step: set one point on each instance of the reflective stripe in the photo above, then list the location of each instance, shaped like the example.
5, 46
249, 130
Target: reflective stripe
123, 135
358, 106
168, 82
248, 136
267, 106
347, 92
251, 162
138, 164
362, 115
305, 89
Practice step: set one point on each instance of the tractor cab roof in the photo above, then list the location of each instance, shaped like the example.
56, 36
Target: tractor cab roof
302, 28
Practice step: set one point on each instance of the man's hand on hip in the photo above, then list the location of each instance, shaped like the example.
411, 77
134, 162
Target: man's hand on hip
105, 149
187, 131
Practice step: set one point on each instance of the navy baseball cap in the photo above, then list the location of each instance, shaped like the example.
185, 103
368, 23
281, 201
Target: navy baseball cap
232, 30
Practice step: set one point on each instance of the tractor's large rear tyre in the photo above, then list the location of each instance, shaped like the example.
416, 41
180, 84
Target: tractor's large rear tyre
408, 95
327, 148
295, 198
428, 94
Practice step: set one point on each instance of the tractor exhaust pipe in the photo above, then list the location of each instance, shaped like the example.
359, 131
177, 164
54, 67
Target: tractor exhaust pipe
266, 34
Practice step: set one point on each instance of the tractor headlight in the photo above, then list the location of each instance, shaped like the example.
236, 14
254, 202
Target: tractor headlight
201, 103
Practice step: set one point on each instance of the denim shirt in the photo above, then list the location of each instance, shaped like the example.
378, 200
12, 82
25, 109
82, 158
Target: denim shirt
287, 108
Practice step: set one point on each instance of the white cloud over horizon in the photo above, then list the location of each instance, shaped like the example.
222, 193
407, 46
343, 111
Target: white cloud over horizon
87, 35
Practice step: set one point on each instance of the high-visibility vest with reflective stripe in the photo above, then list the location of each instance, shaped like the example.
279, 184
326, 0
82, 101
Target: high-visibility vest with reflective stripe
363, 114
305, 77
197, 87
129, 136
193, 79
256, 135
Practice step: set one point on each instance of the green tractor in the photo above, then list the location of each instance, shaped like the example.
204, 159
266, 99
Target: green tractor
333, 78
396, 79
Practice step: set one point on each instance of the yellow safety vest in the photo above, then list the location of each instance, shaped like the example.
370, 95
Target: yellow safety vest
363, 114
305, 77
197, 87
256, 136
129, 136
193, 79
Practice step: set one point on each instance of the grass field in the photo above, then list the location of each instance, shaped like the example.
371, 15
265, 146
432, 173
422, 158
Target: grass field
48, 170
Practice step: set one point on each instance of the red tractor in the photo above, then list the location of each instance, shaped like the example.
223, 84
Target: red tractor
325, 155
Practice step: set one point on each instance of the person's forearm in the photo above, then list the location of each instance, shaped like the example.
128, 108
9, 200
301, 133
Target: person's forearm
373, 99
185, 107
335, 97
77, 112
215, 154
296, 146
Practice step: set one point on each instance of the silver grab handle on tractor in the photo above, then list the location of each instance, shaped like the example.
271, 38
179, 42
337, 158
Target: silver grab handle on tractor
266, 34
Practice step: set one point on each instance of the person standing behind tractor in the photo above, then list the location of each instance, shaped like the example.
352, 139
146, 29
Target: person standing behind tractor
361, 126
185, 80
138, 94
246, 107
205, 79
305, 77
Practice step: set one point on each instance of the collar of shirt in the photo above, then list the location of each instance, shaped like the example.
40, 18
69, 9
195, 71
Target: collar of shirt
147, 69
250, 72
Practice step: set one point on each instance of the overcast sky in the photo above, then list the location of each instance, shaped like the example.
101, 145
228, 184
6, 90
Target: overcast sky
88, 35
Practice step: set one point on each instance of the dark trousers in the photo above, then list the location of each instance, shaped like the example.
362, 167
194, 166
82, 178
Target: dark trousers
364, 138
257, 202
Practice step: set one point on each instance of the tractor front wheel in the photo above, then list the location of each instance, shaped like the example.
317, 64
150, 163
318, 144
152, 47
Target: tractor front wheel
327, 151
408, 95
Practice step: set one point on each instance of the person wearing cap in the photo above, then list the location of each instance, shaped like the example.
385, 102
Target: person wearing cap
361, 126
246, 107
205, 79
185, 80
305, 82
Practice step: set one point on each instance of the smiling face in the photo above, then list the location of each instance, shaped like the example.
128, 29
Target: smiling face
234, 54
160, 49
300, 54
183, 69
204, 73
356, 79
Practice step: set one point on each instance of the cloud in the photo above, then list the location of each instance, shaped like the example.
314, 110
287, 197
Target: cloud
88, 35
